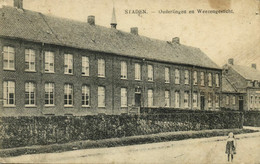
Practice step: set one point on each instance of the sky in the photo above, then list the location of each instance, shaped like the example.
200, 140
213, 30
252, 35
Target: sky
220, 36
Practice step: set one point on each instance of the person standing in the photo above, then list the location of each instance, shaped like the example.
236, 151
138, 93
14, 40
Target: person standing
231, 146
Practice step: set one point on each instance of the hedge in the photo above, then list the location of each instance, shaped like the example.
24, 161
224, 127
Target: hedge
27, 131
252, 118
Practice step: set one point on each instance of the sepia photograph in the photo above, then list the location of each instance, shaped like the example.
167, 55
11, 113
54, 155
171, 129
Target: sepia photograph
120, 81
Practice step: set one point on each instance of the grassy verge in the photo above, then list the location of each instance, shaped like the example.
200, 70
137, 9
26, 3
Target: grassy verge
133, 140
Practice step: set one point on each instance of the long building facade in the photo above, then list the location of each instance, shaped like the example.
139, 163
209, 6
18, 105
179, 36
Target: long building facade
56, 66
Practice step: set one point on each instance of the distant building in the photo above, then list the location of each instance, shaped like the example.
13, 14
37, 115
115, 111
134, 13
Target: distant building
57, 66
244, 80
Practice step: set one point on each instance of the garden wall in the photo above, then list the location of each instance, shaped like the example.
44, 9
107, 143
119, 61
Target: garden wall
27, 131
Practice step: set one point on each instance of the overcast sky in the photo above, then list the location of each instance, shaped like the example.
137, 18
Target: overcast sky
220, 36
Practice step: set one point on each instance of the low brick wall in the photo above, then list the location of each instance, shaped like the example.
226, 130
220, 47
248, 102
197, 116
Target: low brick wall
27, 131
252, 118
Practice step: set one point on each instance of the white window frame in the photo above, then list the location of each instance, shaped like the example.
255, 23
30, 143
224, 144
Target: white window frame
85, 96
49, 92
8, 58
234, 100
167, 74
101, 96
68, 64
123, 70
138, 74
210, 79
8, 89
167, 98
49, 62
217, 80
195, 78
101, 68
30, 56
217, 101
202, 78
150, 102
85, 66
123, 97
177, 99
195, 100
227, 100
68, 91
150, 72
30, 90
186, 77
177, 76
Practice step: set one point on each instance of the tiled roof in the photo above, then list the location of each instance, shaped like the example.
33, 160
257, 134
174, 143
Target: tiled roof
248, 73
34, 26
227, 86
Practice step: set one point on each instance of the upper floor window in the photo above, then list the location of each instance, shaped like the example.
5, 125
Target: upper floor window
177, 76
195, 100
167, 74
68, 64
8, 58
85, 97
49, 94
85, 66
9, 93
123, 97
30, 94
68, 95
49, 61
186, 99
167, 98
210, 79
202, 78
186, 77
177, 99
137, 71
123, 70
101, 96
150, 73
29, 60
217, 80
217, 101
195, 78
150, 97
101, 68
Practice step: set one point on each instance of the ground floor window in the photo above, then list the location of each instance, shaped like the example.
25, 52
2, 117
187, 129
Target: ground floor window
68, 95
30, 94
123, 97
150, 97
167, 98
9, 93
186, 99
85, 97
195, 100
210, 100
177, 99
217, 101
101, 96
49, 94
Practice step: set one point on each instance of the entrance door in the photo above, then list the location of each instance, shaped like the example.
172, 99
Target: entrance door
241, 103
202, 102
138, 99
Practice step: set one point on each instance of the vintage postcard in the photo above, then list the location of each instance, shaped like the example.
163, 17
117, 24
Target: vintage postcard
119, 81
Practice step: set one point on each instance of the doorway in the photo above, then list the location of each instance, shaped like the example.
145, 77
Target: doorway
138, 97
241, 103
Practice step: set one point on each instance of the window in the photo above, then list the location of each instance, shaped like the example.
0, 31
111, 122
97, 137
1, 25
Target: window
195, 100
8, 58
167, 74
85, 66
251, 101
167, 98
202, 78
49, 94
177, 99
29, 60
217, 80
68, 95
186, 77
101, 68
137, 71
85, 97
210, 79
101, 97
227, 100
150, 73
30, 94
233, 100
195, 78
210, 100
49, 61
177, 76
255, 101
9, 93
123, 97
186, 99
217, 101
68, 64
123, 70
150, 97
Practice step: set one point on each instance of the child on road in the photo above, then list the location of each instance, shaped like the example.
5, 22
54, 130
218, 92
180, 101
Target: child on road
231, 146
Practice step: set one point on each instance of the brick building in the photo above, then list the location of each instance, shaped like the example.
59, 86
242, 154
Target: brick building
246, 84
57, 66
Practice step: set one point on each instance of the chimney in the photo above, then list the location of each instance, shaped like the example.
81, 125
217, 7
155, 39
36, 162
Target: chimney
18, 4
134, 30
254, 65
113, 20
91, 20
176, 40
231, 61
